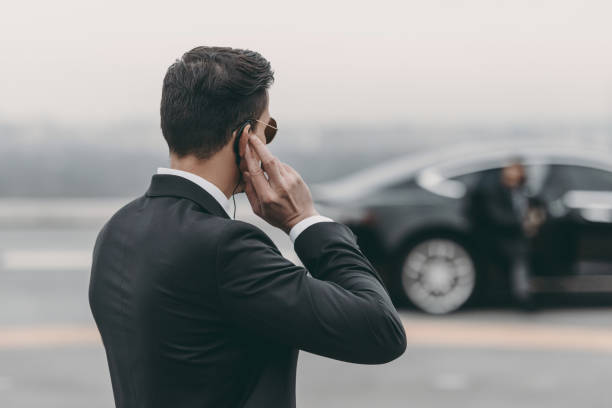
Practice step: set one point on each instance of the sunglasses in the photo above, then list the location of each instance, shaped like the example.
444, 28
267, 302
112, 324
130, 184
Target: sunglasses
270, 130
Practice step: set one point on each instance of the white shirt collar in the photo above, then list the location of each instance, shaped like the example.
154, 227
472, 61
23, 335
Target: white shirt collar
212, 189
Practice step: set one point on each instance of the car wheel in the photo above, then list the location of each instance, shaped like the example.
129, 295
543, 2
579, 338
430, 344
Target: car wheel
437, 275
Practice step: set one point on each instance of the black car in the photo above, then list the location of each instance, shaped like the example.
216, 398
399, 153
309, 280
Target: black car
409, 219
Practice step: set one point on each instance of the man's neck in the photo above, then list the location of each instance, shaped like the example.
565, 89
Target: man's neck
215, 170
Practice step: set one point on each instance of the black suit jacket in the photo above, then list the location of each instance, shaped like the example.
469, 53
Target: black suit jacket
198, 310
490, 209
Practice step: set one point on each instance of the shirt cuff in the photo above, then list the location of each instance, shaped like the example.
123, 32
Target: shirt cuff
298, 228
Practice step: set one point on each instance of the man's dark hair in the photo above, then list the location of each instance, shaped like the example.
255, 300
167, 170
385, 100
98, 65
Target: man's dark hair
208, 93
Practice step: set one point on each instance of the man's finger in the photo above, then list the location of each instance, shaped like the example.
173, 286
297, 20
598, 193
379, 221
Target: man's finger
270, 163
260, 183
291, 171
283, 170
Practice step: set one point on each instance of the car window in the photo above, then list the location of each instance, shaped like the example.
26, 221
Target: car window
401, 185
564, 178
470, 179
535, 173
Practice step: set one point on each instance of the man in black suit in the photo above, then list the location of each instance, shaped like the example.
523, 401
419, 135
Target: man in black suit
196, 309
504, 217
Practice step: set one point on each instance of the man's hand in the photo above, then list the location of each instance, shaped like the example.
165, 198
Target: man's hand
533, 221
283, 199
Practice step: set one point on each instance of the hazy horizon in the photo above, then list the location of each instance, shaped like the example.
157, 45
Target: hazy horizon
449, 62
355, 83
118, 159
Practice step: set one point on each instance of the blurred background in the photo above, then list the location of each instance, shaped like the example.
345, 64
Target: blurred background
467, 143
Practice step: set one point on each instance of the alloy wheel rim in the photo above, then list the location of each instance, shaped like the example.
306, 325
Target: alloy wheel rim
438, 276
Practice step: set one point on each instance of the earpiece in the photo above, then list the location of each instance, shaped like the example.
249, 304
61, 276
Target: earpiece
237, 152
237, 141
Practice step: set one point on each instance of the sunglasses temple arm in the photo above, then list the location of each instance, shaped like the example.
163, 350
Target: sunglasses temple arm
267, 124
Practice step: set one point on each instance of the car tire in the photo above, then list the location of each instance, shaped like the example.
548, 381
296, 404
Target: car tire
437, 275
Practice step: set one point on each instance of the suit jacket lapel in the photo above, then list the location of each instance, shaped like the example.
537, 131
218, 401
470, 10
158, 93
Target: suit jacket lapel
169, 185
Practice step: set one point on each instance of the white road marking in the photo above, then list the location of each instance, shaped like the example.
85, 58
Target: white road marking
451, 382
38, 260
431, 333
47, 336
543, 382
53, 260
508, 336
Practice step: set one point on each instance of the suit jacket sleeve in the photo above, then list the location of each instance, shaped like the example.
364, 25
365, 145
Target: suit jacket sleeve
486, 206
342, 311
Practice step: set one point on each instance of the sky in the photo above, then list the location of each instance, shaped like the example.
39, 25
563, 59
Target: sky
430, 61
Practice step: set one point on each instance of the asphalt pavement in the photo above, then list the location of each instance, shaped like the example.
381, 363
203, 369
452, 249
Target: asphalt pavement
51, 355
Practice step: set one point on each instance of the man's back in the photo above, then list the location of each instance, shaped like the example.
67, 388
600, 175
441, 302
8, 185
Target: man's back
196, 309
154, 295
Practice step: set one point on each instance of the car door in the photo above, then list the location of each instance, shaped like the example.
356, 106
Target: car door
580, 219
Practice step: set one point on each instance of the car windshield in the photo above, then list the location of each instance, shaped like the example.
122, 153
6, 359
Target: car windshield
447, 162
372, 178
394, 171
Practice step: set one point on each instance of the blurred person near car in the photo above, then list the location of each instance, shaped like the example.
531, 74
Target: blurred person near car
504, 217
